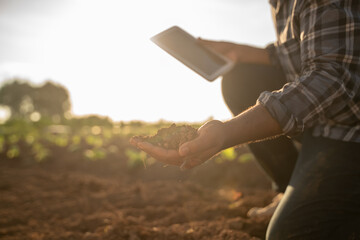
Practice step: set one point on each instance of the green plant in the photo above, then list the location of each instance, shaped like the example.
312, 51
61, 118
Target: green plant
135, 158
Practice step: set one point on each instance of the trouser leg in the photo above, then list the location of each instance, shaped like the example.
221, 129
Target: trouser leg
322, 200
241, 87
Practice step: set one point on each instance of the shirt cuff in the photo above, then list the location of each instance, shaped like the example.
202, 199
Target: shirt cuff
290, 125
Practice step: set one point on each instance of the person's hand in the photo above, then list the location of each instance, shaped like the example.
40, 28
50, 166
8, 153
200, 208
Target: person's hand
210, 141
238, 52
167, 156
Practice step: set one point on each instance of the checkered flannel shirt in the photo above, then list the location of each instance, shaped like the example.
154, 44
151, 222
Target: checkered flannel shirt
318, 49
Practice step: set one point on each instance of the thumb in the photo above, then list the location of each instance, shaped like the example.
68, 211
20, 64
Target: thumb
205, 42
191, 147
184, 150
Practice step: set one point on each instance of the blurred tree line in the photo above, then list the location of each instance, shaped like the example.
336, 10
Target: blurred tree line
33, 102
49, 102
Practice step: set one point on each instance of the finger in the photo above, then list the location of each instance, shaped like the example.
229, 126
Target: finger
204, 40
206, 140
161, 154
208, 43
157, 152
193, 161
190, 163
184, 164
197, 145
134, 141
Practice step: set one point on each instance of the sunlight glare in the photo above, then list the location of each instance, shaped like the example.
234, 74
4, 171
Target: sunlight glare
100, 50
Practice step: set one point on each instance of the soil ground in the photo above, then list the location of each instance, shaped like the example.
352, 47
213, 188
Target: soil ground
69, 197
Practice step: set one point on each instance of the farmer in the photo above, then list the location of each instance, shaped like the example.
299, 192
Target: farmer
305, 88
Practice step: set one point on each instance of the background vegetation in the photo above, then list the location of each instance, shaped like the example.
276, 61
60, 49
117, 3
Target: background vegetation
40, 124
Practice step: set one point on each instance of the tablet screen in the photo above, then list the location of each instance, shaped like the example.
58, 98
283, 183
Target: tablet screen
185, 48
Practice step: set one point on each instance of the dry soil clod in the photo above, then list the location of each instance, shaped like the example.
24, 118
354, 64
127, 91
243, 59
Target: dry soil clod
171, 137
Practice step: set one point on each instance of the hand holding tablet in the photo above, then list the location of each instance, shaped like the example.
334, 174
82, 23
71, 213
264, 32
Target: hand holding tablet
189, 51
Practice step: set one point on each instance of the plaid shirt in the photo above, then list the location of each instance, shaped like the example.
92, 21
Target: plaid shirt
318, 48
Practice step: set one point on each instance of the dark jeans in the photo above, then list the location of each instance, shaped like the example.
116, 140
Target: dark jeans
322, 181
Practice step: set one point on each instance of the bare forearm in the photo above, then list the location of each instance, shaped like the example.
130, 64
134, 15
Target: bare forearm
249, 54
253, 124
239, 52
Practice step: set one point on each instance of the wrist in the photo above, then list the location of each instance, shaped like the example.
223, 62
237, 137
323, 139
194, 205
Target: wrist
229, 134
254, 124
220, 133
261, 56
254, 55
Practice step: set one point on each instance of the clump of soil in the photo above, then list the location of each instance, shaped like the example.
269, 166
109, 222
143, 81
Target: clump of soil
171, 137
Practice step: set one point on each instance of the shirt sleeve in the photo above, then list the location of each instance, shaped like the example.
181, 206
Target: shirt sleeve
274, 59
328, 36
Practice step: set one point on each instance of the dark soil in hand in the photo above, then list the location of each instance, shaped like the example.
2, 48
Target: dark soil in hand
171, 137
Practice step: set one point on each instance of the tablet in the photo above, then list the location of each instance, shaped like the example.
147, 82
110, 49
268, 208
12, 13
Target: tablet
190, 52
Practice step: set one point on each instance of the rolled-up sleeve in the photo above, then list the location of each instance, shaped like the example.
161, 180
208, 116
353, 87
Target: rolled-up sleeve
327, 86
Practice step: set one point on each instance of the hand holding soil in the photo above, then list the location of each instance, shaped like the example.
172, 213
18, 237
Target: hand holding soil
171, 137
182, 146
164, 146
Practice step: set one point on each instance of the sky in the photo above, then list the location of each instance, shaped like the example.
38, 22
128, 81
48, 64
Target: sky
101, 52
